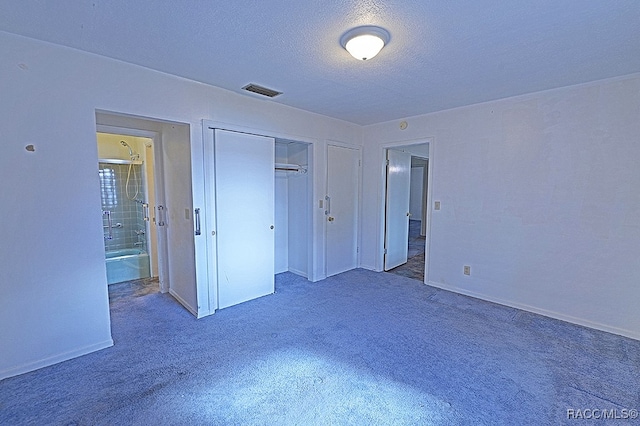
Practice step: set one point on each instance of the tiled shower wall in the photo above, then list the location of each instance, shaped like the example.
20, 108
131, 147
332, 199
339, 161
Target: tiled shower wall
128, 213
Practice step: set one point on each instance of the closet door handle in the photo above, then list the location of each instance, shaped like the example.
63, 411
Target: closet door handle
197, 211
327, 200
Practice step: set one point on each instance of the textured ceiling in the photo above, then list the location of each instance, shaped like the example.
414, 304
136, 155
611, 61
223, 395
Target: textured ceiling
442, 54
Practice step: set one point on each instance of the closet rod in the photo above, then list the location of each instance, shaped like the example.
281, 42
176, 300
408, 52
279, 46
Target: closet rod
290, 168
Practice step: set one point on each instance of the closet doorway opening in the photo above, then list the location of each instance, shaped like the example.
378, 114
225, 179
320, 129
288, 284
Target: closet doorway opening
293, 227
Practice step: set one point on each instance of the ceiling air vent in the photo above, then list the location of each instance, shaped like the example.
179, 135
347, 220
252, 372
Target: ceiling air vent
261, 90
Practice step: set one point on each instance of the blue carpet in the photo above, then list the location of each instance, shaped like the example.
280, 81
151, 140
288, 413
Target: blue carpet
357, 348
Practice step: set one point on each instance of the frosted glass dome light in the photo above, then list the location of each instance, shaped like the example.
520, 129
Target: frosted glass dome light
365, 42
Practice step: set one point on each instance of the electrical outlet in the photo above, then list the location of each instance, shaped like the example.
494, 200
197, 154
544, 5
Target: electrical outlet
467, 270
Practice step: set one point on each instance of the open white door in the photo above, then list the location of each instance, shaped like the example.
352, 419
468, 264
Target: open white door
244, 204
397, 208
341, 209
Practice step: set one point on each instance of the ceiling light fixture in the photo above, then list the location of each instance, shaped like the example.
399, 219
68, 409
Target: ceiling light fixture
364, 42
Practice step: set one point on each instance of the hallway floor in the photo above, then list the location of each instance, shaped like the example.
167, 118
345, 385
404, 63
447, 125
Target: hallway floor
133, 288
414, 268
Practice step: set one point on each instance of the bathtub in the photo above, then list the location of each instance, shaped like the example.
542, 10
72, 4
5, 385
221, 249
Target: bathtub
126, 265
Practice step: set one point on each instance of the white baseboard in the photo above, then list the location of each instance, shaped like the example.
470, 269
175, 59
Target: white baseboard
45, 362
297, 272
371, 268
184, 303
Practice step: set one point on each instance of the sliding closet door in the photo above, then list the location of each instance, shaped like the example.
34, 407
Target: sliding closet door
244, 199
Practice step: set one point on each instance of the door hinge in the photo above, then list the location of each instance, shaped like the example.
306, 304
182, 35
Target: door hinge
385, 251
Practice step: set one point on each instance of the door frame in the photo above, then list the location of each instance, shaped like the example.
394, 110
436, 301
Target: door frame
383, 192
358, 149
389, 176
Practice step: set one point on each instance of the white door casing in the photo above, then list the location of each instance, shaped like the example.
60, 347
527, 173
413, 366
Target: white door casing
425, 192
341, 209
159, 216
397, 208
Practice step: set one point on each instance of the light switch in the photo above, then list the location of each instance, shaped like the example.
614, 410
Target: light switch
187, 214
436, 205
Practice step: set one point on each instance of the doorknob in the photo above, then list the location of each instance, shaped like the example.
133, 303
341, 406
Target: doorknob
331, 219
408, 214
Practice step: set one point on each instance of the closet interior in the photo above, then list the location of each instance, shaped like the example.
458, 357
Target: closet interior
293, 228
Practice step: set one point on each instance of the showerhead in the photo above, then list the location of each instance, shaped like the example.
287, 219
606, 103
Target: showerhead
127, 145
131, 153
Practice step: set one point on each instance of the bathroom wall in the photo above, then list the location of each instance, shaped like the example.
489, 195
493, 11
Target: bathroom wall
121, 188
109, 146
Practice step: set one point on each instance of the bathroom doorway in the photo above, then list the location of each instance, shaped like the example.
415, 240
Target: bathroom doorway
171, 225
126, 170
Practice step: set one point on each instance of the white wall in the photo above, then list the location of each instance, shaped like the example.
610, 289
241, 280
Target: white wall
54, 303
539, 196
299, 205
281, 235
539, 193
415, 194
